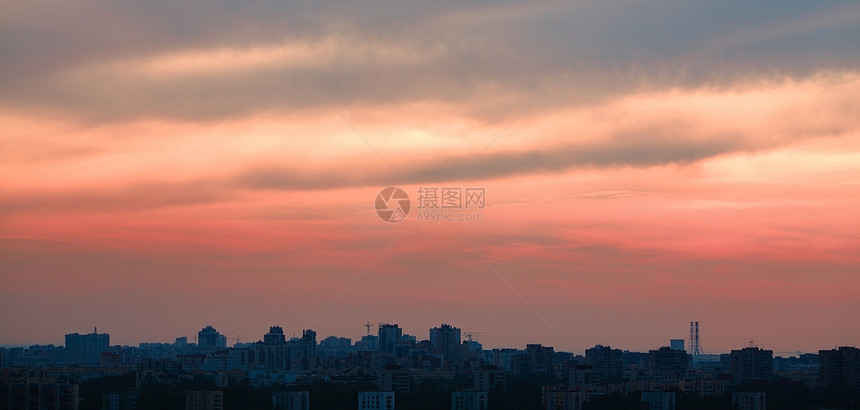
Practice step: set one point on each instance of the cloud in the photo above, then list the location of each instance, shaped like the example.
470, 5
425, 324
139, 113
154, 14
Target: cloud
608, 194
643, 152
162, 165
126, 60
170, 155
640, 130
132, 197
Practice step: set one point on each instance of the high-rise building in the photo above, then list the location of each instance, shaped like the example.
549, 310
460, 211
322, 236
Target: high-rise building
275, 336
702, 387
291, 400
749, 401
310, 337
535, 359
469, 400
658, 400
86, 349
563, 398
393, 378
272, 353
367, 343
304, 354
38, 395
204, 400
389, 337
490, 378
751, 364
275, 353
608, 362
376, 400
504, 358
583, 375
209, 338
120, 399
446, 340
335, 347
677, 344
840, 367
668, 360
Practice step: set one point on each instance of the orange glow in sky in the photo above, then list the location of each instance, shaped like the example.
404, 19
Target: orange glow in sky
152, 183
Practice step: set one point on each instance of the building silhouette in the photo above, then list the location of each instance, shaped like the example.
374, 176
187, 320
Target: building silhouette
39, 394
276, 353
657, 400
535, 359
209, 338
583, 375
275, 336
40, 376
668, 360
751, 364
749, 401
389, 337
394, 378
840, 367
86, 349
376, 400
120, 399
490, 378
563, 398
291, 400
445, 340
608, 362
469, 400
204, 400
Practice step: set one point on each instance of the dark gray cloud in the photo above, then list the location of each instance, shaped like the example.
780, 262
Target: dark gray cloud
645, 145
676, 138
550, 52
142, 196
133, 197
644, 151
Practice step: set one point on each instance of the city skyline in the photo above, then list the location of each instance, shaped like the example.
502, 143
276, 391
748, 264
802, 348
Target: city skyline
232, 339
618, 169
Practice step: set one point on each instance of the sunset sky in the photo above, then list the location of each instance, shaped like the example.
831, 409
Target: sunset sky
168, 165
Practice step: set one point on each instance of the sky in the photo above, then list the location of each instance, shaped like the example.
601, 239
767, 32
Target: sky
170, 165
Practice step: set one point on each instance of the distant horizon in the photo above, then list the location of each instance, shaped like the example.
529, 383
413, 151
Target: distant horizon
320, 337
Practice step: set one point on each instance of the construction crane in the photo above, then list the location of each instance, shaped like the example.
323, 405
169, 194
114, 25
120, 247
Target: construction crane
469, 335
232, 338
368, 325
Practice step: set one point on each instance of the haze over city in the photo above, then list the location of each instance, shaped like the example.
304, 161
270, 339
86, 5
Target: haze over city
165, 166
